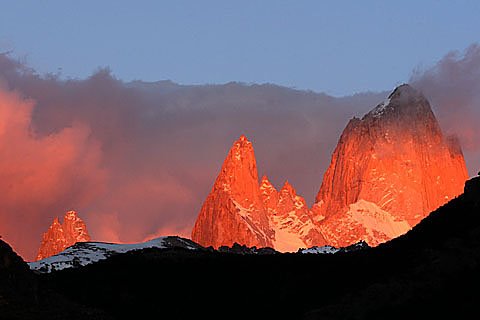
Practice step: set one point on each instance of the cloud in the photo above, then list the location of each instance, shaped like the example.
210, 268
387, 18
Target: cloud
154, 149
41, 176
137, 159
453, 88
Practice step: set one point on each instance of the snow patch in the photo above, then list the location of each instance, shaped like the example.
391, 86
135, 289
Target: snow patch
246, 214
286, 240
374, 219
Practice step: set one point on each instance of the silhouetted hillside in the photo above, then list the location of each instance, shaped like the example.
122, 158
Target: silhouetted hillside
23, 297
431, 271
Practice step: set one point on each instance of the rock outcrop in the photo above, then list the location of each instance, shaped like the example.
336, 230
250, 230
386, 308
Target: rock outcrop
61, 236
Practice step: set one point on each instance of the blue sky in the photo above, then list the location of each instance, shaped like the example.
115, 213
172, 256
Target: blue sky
338, 47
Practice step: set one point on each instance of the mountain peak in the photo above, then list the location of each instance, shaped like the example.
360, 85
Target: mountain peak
239, 170
287, 187
265, 184
404, 90
55, 222
60, 236
395, 162
242, 142
243, 138
404, 103
241, 150
70, 215
233, 211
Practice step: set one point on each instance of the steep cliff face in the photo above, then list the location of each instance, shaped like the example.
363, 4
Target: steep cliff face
60, 236
233, 211
240, 210
389, 170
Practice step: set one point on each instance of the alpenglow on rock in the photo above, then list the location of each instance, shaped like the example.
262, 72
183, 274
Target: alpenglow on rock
61, 236
239, 210
389, 170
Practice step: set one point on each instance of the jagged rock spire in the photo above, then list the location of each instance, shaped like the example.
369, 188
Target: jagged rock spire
233, 211
239, 210
61, 236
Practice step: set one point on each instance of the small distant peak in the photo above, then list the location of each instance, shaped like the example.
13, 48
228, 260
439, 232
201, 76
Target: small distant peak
405, 100
266, 184
288, 187
404, 86
243, 138
241, 150
242, 142
71, 214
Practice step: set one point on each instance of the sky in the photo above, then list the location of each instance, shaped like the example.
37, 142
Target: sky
337, 47
137, 159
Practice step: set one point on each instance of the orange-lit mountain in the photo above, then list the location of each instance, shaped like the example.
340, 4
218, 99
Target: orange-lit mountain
389, 170
233, 211
60, 236
240, 210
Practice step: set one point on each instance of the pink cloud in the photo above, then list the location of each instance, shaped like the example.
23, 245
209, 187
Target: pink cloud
41, 176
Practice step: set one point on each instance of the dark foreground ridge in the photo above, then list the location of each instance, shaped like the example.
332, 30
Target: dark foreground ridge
432, 271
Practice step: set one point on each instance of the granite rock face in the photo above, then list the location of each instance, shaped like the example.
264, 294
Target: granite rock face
240, 210
233, 211
389, 170
61, 236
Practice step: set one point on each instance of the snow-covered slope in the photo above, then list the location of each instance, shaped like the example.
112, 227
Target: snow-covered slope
363, 221
84, 253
